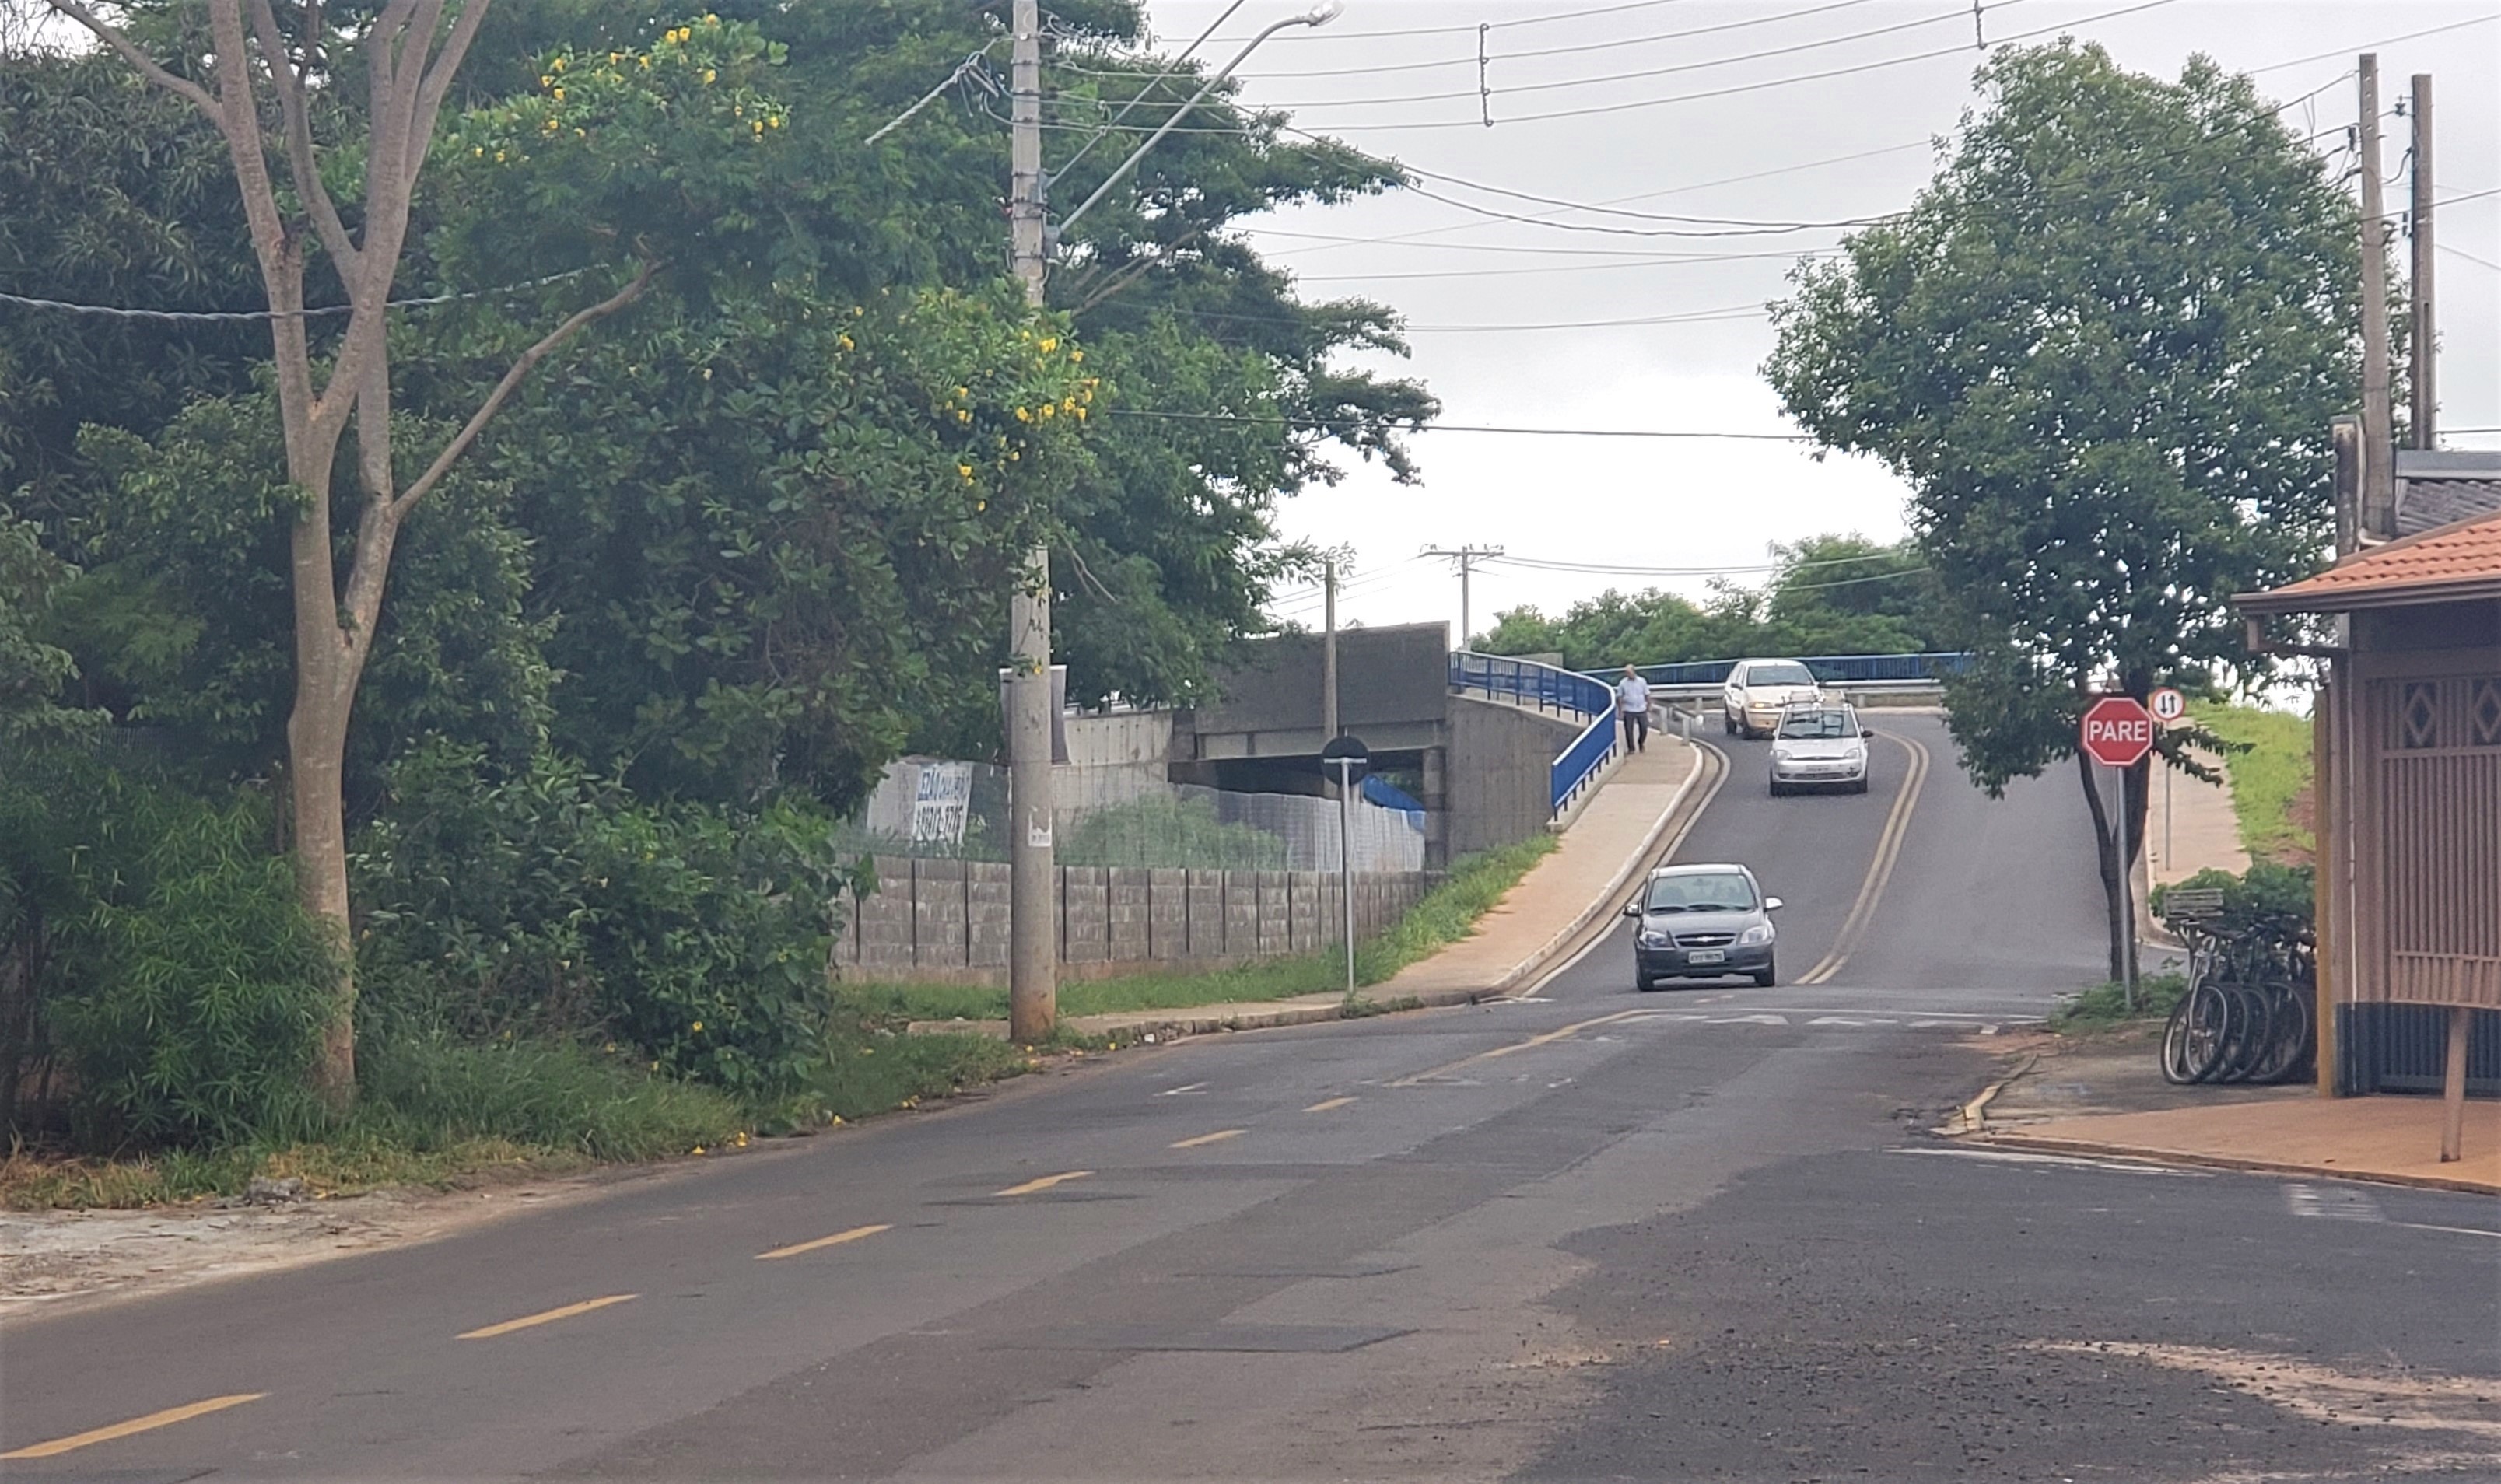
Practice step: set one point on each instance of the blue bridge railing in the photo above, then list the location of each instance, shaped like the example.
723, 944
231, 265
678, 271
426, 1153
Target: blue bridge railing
1549, 689
1832, 669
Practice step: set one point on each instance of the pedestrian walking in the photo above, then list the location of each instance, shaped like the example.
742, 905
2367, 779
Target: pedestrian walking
1632, 703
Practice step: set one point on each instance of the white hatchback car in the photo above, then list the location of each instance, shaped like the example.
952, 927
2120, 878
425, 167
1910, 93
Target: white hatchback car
1821, 746
1760, 692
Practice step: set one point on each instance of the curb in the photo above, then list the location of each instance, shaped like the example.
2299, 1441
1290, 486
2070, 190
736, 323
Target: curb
1182, 1024
1975, 1113
2051, 1145
1639, 862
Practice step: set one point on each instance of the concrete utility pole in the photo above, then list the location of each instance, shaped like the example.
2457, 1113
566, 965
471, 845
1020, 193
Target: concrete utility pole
1466, 557
1328, 650
2379, 441
2426, 338
1033, 907
1033, 917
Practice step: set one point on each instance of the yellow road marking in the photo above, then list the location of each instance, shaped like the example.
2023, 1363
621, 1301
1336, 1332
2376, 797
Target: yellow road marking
550, 1316
1044, 1183
1531, 1043
1888, 850
835, 1240
148, 1424
1331, 1106
1217, 1137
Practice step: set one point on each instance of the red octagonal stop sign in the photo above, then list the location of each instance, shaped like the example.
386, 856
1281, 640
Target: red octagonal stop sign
2117, 731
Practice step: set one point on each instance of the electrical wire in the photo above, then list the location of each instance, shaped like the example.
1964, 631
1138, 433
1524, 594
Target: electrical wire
1312, 423
241, 317
1506, 273
1765, 84
2378, 40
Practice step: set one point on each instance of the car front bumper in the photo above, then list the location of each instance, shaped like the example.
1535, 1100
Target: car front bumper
1678, 963
1803, 774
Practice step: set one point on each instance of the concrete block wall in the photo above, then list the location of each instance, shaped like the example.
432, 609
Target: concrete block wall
948, 920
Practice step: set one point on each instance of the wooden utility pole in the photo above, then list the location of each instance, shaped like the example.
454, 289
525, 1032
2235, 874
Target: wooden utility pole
1328, 650
1033, 915
2424, 381
2379, 443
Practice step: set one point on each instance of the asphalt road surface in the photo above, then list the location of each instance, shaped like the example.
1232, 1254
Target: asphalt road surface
1594, 1234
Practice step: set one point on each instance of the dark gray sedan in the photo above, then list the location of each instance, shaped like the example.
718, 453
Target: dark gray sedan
1702, 922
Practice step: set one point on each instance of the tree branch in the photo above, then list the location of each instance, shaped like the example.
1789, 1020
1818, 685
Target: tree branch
122, 47
513, 379
437, 79
289, 82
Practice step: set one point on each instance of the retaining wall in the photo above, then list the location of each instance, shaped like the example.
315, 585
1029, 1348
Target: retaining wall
948, 919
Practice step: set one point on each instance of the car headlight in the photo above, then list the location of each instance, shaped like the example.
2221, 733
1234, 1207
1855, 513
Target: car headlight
1780, 754
1652, 937
1759, 932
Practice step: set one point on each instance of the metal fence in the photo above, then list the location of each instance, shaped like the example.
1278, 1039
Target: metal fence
1831, 669
1527, 682
935, 809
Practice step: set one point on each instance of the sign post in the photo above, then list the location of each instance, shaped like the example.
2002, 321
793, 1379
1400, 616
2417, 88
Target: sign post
1350, 759
2118, 733
2167, 705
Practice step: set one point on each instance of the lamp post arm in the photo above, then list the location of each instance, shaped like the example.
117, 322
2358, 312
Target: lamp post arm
1319, 17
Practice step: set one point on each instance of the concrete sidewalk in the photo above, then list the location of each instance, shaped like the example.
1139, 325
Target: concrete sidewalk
2391, 1138
2104, 1095
1610, 841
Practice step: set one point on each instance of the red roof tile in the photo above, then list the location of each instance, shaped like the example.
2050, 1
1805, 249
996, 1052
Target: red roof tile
2459, 560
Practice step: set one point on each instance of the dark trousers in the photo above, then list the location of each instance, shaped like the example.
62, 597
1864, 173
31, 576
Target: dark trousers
1636, 730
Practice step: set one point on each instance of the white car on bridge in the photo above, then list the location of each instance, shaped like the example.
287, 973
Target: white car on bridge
1760, 692
1819, 746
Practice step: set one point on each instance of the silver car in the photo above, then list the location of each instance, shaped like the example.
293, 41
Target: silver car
1759, 691
1819, 746
1701, 922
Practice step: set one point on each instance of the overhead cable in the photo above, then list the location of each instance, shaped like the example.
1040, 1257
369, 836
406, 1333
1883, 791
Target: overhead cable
1323, 424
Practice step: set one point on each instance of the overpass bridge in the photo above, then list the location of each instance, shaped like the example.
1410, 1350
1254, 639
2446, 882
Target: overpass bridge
1494, 747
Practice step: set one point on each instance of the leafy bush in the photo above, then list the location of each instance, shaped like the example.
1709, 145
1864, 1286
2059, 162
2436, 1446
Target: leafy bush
160, 972
553, 901
2268, 899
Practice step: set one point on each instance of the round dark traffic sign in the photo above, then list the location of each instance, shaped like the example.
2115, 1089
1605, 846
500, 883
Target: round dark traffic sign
1357, 758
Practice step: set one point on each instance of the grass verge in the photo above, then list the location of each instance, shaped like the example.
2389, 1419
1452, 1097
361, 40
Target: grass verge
441, 1114
1444, 916
2268, 780
2104, 1006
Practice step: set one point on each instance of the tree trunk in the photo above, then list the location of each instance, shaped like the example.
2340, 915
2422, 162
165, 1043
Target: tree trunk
2106, 850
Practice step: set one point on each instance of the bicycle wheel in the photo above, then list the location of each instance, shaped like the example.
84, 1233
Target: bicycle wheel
2253, 1029
2209, 1031
2175, 1044
2288, 1046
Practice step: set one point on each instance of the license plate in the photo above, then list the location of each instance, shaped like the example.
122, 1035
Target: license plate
1707, 956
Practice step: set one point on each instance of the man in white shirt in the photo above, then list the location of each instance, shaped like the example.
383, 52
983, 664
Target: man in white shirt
1632, 703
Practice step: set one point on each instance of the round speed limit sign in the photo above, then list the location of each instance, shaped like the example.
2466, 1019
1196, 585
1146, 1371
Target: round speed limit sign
2167, 704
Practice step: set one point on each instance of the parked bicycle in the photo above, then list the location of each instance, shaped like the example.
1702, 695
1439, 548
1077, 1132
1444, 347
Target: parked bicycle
2248, 1013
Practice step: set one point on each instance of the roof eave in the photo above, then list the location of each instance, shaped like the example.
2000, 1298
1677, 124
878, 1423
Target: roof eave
2291, 600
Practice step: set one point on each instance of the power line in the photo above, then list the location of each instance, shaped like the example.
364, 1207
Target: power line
1759, 229
2378, 40
1720, 92
1324, 425
1505, 272
1670, 70
241, 317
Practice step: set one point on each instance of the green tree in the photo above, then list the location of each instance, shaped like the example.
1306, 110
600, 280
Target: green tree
302, 135
2103, 347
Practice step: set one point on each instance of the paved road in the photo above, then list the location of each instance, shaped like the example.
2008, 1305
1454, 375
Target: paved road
1594, 1235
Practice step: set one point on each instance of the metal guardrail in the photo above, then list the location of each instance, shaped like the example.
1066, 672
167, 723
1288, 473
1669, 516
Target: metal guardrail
1854, 669
1549, 689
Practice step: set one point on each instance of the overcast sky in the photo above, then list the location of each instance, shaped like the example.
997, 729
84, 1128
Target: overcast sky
1738, 130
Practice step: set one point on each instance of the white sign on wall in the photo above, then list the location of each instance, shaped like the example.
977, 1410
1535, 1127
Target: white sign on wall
940, 801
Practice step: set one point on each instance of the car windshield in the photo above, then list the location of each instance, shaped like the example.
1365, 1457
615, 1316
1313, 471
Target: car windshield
1827, 721
1784, 673
1718, 890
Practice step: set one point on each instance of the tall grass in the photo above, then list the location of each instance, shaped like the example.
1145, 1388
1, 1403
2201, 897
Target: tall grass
2266, 779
